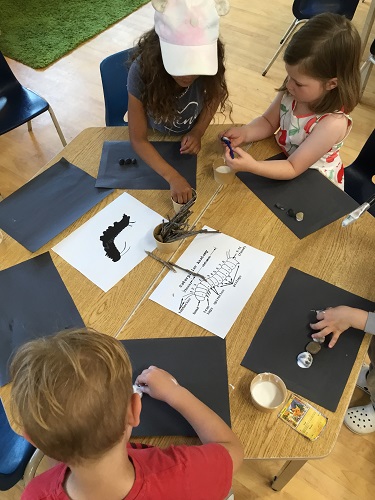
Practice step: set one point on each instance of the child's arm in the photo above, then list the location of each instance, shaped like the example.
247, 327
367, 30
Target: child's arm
327, 132
180, 188
336, 320
260, 128
210, 428
191, 142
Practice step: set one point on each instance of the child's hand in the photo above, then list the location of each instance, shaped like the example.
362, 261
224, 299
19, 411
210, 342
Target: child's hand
336, 320
181, 190
240, 163
236, 135
191, 143
156, 382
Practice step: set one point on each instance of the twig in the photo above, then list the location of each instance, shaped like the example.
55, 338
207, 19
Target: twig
189, 271
177, 228
170, 265
167, 264
190, 233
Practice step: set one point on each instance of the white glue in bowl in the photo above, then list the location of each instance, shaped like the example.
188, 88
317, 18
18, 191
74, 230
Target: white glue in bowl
268, 392
224, 174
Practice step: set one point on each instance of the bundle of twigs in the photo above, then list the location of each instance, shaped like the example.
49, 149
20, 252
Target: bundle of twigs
177, 228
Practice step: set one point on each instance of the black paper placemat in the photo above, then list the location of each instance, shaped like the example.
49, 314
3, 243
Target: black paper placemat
311, 193
48, 204
140, 175
197, 363
285, 331
34, 302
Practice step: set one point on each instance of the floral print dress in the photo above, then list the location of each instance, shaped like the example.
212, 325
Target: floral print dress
294, 130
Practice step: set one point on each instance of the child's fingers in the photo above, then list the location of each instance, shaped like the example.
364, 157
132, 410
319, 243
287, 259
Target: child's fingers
186, 149
323, 333
322, 326
224, 133
334, 339
240, 152
184, 143
317, 326
144, 376
231, 133
141, 380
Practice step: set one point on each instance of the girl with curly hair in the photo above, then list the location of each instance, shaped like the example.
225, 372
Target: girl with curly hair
176, 82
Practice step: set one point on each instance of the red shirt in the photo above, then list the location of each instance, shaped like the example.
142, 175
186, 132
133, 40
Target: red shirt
177, 472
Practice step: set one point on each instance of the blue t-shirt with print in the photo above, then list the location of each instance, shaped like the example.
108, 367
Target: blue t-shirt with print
190, 104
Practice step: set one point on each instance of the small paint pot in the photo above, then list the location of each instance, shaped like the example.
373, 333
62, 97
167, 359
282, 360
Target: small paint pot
177, 206
168, 247
224, 175
268, 392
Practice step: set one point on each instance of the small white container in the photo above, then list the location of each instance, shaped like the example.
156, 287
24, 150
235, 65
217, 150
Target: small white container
223, 174
177, 206
169, 247
268, 392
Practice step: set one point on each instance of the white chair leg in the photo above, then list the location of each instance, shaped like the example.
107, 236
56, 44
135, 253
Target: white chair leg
57, 126
288, 31
32, 466
230, 495
366, 69
29, 126
286, 38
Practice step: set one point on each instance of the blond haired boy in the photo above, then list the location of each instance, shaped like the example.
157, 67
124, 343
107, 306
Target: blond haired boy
73, 396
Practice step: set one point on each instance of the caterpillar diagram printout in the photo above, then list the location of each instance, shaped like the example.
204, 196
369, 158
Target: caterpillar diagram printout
232, 271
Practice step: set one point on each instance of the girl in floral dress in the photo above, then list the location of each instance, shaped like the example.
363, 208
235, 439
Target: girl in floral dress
310, 112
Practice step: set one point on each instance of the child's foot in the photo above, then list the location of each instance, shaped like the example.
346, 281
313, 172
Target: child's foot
361, 419
361, 382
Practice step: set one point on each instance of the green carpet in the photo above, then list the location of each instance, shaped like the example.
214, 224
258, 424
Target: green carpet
38, 32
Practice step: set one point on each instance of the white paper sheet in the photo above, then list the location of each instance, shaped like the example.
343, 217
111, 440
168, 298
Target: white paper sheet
111, 243
232, 270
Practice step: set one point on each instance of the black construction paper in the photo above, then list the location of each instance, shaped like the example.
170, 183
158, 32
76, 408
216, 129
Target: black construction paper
197, 363
311, 193
48, 204
34, 302
140, 175
285, 332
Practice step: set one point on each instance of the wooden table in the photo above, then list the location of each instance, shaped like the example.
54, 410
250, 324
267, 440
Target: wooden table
106, 312
343, 257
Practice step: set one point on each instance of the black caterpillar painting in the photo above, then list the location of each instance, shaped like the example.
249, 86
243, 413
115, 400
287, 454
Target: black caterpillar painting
110, 234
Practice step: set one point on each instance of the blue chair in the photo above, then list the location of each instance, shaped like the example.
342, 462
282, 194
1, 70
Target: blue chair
19, 104
303, 10
114, 72
18, 458
360, 175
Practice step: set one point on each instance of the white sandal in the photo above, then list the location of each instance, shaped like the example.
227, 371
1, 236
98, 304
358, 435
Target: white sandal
360, 419
361, 381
